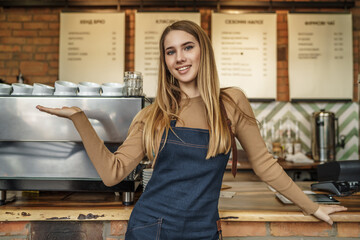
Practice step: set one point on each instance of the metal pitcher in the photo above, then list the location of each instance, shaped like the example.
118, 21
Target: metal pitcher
325, 136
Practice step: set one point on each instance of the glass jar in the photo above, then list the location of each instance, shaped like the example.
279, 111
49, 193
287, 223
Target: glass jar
133, 83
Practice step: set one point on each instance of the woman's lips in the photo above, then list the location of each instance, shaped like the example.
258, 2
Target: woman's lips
183, 69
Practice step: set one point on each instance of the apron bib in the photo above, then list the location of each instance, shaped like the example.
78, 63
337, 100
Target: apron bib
181, 198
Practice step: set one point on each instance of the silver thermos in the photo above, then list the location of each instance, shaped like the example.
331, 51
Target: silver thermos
325, 136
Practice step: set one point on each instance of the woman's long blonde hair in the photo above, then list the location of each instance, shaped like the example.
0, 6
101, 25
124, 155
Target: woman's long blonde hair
166, 104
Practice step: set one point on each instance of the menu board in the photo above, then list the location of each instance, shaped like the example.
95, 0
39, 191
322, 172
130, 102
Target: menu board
320, 56
148, 29
92, 47
245, 52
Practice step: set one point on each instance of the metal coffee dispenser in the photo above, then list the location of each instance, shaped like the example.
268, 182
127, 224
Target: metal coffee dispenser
42, 152
325, 136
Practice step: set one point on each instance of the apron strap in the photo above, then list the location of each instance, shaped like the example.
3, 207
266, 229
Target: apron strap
173, 123
233, 143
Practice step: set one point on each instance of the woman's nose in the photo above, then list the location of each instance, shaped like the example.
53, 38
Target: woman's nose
180, 57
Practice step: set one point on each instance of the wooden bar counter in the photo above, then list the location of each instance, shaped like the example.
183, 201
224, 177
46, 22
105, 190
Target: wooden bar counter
253, 211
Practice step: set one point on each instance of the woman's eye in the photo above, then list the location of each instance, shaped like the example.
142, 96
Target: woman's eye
189, 48
169, 52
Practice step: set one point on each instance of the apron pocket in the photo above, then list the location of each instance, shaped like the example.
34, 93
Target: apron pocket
149, 231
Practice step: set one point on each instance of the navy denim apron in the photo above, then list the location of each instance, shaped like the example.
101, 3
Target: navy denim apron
181, 199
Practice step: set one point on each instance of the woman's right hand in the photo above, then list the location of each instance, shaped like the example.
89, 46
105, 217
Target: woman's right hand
64, 112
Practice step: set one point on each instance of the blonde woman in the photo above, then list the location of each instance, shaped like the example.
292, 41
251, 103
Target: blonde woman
185, 133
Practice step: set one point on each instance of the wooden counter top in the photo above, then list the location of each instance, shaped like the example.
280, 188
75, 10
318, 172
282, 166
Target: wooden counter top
252, 201
65, 206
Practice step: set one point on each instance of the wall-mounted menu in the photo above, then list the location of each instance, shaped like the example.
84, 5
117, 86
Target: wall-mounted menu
92, 47
320, 56
245, 52
148, 29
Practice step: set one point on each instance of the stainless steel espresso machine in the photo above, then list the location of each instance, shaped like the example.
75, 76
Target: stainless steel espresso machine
42, 152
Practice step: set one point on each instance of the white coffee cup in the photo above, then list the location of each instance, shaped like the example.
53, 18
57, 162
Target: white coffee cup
42, 89
89, 89
5, 89
113, 89
21, 89
65, 88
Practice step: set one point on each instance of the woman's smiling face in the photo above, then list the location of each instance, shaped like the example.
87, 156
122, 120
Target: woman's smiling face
182, 56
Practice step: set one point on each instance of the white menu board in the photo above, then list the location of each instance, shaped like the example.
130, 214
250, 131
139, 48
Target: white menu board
320, 56
92, 47
245, 52
148, 29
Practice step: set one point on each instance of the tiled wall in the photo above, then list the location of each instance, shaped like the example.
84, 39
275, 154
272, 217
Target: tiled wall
347, 114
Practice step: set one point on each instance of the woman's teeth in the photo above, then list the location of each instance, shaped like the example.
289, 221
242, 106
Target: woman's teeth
183, 68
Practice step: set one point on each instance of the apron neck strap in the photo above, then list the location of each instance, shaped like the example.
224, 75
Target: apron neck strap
172, 123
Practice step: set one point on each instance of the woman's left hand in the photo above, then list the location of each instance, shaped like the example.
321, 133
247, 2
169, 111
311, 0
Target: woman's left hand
324, 211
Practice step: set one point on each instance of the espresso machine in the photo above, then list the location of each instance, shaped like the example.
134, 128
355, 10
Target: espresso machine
43, 152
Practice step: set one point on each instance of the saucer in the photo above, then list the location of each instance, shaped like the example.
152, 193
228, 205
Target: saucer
112, 94
20, 94
42, 94
88, 94
64, 94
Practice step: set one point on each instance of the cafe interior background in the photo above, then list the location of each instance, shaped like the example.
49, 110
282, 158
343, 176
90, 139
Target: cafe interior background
31, 40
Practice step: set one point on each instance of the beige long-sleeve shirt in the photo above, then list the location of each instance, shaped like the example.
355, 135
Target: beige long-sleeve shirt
113, 167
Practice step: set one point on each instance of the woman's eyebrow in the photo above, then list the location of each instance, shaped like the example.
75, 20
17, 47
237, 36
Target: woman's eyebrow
186, 43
